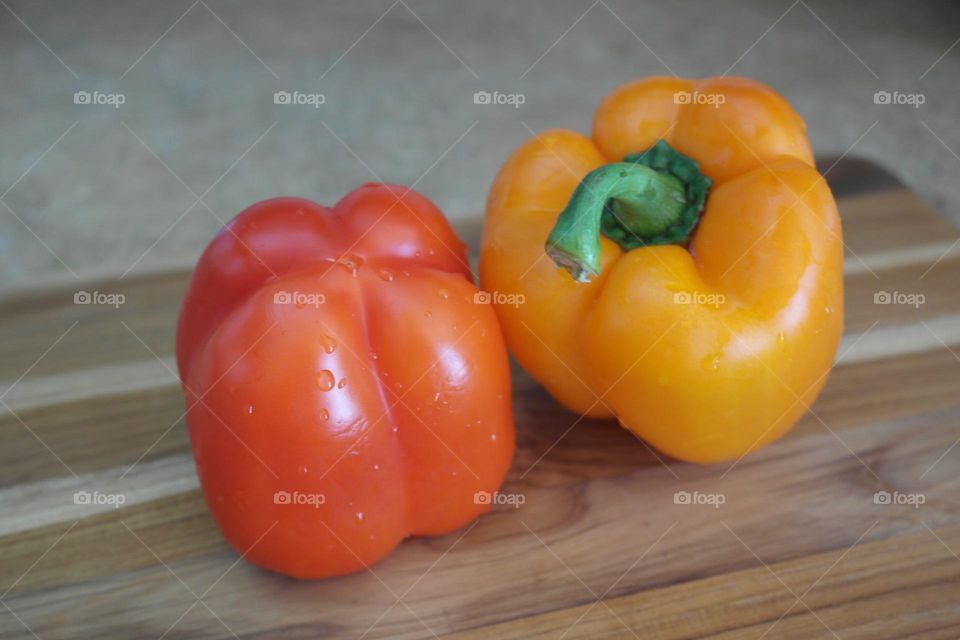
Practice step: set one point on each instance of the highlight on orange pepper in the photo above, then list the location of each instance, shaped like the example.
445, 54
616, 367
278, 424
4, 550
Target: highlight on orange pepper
345, 390
681, 270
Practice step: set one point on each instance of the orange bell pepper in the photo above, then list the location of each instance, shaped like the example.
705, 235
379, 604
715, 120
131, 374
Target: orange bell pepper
706, 330
344, 388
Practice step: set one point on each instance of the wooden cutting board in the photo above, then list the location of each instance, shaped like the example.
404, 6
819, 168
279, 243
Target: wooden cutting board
600, 548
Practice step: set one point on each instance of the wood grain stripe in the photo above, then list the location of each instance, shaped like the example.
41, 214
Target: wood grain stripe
883, 341
925, 254
130, 377
887, 221
68, 498
899, 588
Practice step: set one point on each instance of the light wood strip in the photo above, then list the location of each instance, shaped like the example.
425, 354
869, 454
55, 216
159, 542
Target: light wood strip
113, 379
926, 254
890, 220
883, 341
69, 498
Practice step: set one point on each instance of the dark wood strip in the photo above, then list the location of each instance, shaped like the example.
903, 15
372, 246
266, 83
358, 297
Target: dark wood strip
91, 434
31, 323
850, 176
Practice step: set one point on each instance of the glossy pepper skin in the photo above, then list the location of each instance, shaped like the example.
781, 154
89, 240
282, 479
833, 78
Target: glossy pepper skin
339, 353
707, 349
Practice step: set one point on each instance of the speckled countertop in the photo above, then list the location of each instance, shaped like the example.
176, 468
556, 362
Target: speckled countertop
94, 187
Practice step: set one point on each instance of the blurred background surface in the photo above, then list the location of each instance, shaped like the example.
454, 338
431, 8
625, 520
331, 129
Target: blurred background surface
187, 131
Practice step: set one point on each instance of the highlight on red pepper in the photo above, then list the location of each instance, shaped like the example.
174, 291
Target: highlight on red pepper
682, 269
344, 387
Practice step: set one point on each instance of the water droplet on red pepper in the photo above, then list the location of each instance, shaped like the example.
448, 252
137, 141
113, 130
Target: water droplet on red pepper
325, 380
329, 344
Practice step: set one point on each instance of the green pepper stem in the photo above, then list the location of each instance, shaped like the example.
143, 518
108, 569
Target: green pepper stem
651, 198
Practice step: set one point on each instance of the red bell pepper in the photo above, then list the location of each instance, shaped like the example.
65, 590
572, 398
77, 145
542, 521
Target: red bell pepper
346, 387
